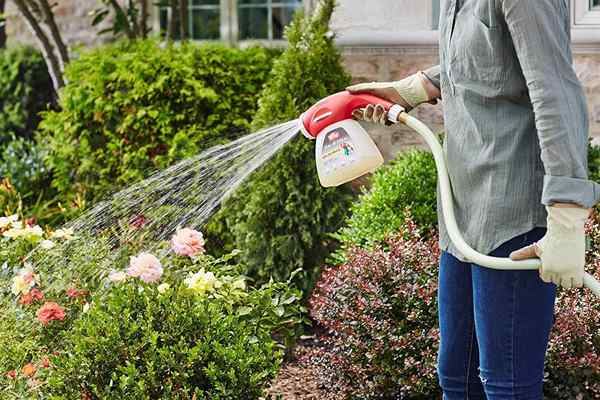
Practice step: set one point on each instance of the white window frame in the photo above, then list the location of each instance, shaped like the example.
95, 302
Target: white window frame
585, 26
229, 23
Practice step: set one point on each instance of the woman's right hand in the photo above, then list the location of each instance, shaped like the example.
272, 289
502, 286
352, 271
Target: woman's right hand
408, 93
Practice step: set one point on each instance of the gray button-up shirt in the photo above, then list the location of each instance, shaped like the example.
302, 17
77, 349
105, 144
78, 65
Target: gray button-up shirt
515, 114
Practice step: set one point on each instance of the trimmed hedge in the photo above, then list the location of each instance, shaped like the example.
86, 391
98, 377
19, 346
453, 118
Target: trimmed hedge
131, 108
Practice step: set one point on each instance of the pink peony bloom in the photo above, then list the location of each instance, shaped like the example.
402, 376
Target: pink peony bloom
32, 296
146, 267
187, 242
50, 311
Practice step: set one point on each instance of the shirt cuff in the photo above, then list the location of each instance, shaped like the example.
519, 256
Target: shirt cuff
562, 189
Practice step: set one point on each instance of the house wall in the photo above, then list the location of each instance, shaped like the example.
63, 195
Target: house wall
381, 40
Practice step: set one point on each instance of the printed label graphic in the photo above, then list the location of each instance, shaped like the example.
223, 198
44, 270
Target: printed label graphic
338, 150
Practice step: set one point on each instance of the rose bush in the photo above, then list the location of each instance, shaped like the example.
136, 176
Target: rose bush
74, 332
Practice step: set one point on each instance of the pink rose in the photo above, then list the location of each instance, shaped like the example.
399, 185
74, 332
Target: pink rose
146, 267
187, 242
50, 311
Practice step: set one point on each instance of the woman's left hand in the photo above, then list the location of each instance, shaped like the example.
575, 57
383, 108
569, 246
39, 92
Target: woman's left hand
562, 249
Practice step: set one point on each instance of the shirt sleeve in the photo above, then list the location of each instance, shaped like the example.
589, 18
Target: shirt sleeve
540, 32
433, 74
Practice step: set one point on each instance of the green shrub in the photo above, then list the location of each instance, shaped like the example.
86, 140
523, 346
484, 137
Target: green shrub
408, 183
280, 220
25, 90
215, 336
136, 344
130, 108
23, 164
594, 162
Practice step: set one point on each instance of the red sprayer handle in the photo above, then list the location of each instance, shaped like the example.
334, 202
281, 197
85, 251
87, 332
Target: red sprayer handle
335, 108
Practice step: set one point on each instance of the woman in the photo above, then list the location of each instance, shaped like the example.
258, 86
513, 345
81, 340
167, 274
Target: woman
516, 143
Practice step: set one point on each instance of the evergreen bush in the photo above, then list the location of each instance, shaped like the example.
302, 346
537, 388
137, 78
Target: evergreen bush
134, 107
281, 219
25, 91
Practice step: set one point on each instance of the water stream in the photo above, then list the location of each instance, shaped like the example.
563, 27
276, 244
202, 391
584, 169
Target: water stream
183, 195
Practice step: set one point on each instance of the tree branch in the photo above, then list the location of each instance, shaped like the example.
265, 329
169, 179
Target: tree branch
2, 26
121, 13
48, 15
45, 45
183, 19
172, 20
143, 19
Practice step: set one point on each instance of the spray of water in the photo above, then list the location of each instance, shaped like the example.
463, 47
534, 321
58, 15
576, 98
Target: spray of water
149, 212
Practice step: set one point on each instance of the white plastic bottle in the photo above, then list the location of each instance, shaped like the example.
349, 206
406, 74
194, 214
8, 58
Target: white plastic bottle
344, 152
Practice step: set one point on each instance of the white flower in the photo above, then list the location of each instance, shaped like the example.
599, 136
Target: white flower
239, 284
28, 232
6, 222
163, 287
117, 276
86, 307
65, 233
47, 244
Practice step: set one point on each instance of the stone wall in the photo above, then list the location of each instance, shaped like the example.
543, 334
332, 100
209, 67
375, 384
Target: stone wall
72, 17
385, 65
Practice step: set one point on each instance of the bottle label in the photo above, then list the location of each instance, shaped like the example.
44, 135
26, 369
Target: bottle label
339, 150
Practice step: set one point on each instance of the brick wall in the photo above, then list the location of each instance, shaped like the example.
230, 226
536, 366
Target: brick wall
395, 65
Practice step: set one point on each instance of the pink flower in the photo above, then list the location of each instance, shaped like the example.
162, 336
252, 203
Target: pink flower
50, 311
146, 267
11, 374
74, 293
138, 221
187, 242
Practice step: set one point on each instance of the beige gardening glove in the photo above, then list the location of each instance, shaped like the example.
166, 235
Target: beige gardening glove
562, 249
408, 93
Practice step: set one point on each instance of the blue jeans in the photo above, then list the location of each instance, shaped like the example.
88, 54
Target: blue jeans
494, 328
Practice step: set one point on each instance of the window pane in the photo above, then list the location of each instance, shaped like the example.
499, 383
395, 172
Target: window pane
254, 23
255, 2
282, 16
203, 2
205, 24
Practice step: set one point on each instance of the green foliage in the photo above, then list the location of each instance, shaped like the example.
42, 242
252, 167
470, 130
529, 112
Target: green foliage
219, 341
23, 164
130, 108
280, 220
408, 183
594, 162
25, 90
145, 345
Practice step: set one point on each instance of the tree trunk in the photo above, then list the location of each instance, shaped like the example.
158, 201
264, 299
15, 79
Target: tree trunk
46, 47
183, 19
2, 26
172, 20
48, 15
143, 19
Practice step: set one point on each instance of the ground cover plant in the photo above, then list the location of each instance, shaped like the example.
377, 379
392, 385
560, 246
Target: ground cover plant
281, 219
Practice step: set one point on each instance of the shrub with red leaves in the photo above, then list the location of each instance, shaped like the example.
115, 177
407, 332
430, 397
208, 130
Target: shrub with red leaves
573, 359
380, 310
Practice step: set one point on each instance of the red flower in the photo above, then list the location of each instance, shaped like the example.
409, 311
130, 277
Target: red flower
138, 221
45, 362
32, 296
11, 374
50, 311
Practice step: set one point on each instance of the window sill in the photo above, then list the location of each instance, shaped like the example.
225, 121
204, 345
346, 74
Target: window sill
585, 40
